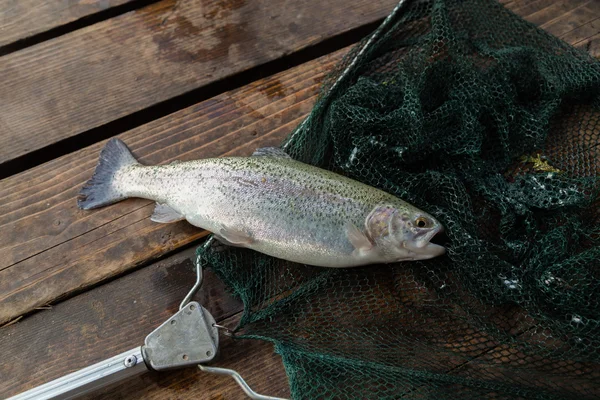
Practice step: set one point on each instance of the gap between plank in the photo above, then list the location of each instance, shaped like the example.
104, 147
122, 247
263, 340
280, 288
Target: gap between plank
159, 110
74, 25
68, 296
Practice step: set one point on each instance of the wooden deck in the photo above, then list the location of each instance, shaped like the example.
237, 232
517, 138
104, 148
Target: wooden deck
175, 80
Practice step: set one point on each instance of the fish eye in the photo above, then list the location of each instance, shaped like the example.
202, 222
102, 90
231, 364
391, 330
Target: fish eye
421, 222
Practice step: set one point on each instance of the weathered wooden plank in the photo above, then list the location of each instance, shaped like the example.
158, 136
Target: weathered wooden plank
591, 45
22, 19
577, 17
527, 8
583, 31
82, 80
117, 316
552, 11
256, 362
586, 36
558, 374
574, 21
54, 248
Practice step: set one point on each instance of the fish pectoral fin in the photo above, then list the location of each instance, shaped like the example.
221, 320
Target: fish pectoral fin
359, 240
270, 152
234, 236
165, 214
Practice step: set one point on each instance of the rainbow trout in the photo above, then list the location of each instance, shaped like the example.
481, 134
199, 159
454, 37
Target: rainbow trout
272, 204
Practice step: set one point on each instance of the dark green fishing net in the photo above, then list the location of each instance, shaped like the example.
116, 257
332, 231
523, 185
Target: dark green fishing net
493, 126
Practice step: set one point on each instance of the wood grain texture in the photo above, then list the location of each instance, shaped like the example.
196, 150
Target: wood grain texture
254, 360
82, 80
53, 248
578, 16
20, 19
117, 316
545, 12
591, 45
563, 18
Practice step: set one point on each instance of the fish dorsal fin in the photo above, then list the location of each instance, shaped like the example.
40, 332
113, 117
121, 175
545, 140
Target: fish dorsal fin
165, 214
359, 240
270, 152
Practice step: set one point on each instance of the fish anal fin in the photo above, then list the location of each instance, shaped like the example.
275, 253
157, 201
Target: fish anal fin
359, 240
270, 152
234, 237
164, 214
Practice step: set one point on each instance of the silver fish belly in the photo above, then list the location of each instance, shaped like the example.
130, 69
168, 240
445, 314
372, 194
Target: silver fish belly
275, 205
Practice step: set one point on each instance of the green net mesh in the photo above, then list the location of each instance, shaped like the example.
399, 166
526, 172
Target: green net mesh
493, 126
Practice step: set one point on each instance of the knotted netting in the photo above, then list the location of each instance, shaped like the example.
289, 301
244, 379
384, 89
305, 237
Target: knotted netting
493, 126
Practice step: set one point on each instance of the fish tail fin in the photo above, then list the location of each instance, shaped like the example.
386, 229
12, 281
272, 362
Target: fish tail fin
100, 190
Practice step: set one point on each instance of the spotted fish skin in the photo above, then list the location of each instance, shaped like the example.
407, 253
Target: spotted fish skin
272, 204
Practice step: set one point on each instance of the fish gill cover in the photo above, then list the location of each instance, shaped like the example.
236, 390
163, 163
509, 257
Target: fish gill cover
493, 126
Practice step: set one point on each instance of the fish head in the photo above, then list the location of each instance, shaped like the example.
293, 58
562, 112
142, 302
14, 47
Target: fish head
404, 233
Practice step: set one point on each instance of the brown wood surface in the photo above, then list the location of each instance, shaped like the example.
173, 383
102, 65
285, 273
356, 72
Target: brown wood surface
591, 45
54, 248
20, 19
65, 86
579, 14
117, 316
574, 21
254, 360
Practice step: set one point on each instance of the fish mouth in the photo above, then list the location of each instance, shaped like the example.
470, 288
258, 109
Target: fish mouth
425, 248
430, 235
432, 250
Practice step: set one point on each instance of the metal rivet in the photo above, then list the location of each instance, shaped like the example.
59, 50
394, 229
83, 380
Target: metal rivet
208, 353
130, 361
185, 357
192, 307
173, 322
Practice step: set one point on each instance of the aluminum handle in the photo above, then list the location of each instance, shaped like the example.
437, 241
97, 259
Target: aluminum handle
89, 379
